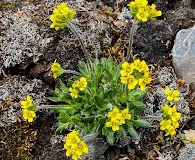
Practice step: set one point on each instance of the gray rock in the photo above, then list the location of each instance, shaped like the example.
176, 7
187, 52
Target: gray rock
187, 152
22, 40
97, 146
12, 91
183, 53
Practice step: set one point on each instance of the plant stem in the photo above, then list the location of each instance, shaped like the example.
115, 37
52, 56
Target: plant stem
81, 42
153, 118
47, 106
132, 32
72, 72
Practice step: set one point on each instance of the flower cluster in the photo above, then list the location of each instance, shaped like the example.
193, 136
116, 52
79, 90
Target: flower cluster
28, 109
78, 85
172, 95
56, 69
142, 11
136, 73
117, 118
75, 146
61, 15
170, 120
170, 123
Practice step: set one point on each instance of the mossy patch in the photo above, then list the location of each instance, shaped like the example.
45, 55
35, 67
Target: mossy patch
6, 6
16, 141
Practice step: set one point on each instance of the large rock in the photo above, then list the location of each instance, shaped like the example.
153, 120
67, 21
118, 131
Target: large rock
183, 53
187, 152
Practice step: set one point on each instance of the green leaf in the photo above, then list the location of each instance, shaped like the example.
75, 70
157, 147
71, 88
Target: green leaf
138, 103
62, 108
53, 99
63, 117
133, 132
110, 137
183, 137
129, 124
141, 123
64, 126
109, 134
121, 132
63, 87
139, 106
83, 69
93, 128
138, 94
104, 131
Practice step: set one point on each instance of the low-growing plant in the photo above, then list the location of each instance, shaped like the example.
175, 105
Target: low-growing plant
102, 98
91, 101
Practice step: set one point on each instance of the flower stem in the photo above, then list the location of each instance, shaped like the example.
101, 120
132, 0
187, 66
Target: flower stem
153, 118
48, 106
72, 72
70, 25
132, 32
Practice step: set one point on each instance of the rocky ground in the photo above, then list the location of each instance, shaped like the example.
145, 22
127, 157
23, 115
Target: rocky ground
28, 47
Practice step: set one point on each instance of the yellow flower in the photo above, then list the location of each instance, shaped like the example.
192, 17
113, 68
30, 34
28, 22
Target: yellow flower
175, 116
144, 81
175, 124
56, 69
114, 113
69, 149
170, 131
127, 69
75, 84
75, 156
82, 84
28, 115
172, 95
72, 134
125, 115
72, 141
61, 15
114, 124
135, 5
75, 146
130, 81
170, 120
142, 11
165, 124
165, 109
138, 3
81, 148
28, 103
153, 13
141, 66
73, 92
142, 14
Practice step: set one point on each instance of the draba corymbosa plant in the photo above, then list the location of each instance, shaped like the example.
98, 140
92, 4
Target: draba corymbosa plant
102, 98
106, 99
170, 116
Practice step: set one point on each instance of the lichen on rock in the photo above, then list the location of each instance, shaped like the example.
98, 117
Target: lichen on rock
22, 40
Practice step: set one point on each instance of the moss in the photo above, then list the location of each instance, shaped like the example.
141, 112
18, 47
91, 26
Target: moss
16, 141
6, 6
